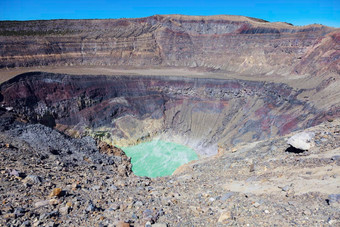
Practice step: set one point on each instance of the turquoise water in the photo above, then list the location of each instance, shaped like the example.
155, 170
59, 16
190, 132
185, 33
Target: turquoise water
158, 158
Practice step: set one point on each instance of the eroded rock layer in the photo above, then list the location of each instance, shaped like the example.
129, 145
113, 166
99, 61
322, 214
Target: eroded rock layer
123, 110
232, 43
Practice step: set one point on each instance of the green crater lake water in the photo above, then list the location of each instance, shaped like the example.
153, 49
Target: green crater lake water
158, 158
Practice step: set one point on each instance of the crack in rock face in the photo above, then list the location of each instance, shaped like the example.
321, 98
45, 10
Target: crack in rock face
124, 110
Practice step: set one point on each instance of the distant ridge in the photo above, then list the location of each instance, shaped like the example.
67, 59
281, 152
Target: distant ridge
236, 44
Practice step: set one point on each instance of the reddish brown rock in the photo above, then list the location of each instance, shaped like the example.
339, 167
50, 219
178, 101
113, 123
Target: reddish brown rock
56, 192
123, 224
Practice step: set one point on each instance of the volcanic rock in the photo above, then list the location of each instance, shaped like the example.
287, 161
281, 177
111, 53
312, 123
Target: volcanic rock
159, 225
56, 192
302, 141
32, 179
224, 217
156, 106
123, 224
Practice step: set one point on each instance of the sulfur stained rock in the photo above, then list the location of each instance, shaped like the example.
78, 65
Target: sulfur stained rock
224, 217
56, 192
123, 224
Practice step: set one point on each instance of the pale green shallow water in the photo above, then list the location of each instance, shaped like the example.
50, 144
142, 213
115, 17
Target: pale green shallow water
158, 158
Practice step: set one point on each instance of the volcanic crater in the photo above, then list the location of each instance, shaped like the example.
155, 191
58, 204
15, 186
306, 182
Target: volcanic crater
232, 88
124, 110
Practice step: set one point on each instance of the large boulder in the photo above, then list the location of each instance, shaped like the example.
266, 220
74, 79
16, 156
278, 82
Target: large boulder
302, 140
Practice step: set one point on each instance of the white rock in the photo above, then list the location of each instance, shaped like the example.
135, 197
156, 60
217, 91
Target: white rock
33, 179
256, 204
160, 225
64, 210
42, 203
302, 140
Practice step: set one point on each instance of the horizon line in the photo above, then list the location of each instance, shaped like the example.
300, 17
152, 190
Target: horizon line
174, 14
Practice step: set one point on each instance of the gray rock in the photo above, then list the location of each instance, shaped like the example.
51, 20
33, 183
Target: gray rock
227, 196
139, 203
307, 212
90, 208
95, 188
160, 225
41, 203
9, 108
114, 188
19, 212
256, 204
292, 203
25, 223
147, 214
335, 158
54, 213
51, 224
114, 207
250, 179
134, 216
285, 188
332, 221
252, 167
32, 179
302, 140
64, 210
14, 172
334, 198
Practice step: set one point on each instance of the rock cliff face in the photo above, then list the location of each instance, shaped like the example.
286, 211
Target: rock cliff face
231, 43
201, 113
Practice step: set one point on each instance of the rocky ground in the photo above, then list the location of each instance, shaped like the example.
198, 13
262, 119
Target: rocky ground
49, 179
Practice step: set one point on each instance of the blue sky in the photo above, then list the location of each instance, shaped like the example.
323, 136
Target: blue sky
298, 12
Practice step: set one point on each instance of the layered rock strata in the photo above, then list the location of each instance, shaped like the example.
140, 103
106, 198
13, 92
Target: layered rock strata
230, 43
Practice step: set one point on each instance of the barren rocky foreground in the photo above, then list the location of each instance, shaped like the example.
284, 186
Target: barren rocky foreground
49, 179
234, 89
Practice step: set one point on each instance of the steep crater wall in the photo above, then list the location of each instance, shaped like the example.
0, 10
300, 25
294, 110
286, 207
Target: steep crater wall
124, 110
230, 43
